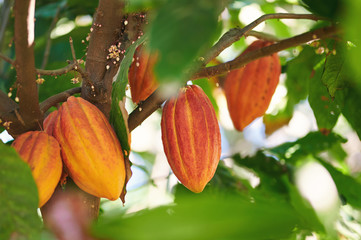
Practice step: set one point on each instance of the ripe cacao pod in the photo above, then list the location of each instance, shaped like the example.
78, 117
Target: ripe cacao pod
191, 137
49, 122
42, 153
249, 89
141, 77
90, 149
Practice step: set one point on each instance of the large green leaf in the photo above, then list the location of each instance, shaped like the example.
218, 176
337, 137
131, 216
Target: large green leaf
334, 75
180, 31
205, 217
19, 198
299, 71
349, 100
117, 115
347, 186
313, 143
325, 108
326, 8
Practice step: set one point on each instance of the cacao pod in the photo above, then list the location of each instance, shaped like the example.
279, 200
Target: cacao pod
49, 122
42, 153
191, 137
249, 89
141, 77
90, 149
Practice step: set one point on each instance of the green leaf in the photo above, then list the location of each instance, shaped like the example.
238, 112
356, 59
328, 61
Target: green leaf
203, 217
334, 75
347, 186
312, 143
180, 31
326, 8
299, 71
304, 209
19, 198
117, 111
349, 99
325, 108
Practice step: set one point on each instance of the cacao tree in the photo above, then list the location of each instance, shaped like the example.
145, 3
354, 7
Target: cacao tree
180, 119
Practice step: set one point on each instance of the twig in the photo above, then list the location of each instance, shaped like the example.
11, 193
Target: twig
57, 98
48, 41
145, 109
6, 59
253, 55
235, 34
263, 36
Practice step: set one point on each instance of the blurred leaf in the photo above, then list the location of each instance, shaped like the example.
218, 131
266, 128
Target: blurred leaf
334, 74
205, 217
312, 143
141, 5
304, 209
348, 99
274, 122
19, 198
267, 168
325, 109
326, 8
49, 10
347, 186
180, 31
118, 117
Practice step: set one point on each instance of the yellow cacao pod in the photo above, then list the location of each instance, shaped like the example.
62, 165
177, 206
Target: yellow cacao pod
42, 153
191, 137
49, 122
90, 149
249, 89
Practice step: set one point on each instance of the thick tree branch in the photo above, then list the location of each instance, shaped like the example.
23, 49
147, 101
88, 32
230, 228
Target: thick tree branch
235, 34
27, 92
153, 102
281, 45
105, 32
58, 98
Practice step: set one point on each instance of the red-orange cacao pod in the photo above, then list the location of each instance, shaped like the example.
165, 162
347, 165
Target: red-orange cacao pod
42, 153
191, 137
90, 149
249, 89
141, 77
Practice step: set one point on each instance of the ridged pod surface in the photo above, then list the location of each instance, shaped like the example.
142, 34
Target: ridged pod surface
249, 89
42, 153
191, 137
49, 122
141, 77
90, 149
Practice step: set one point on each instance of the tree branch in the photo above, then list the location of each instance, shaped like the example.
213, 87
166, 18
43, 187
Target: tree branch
27, 92
145, 109
105, 32
153, 102
58, 98
253, 55
235, 34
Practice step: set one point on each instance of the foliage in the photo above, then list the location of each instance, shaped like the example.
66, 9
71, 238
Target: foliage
254, 193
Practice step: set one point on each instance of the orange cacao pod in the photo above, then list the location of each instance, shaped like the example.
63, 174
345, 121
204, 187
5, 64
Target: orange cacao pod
191, 137
42, 153
249, 89
49, 122
141, 77
90, 149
